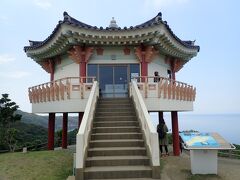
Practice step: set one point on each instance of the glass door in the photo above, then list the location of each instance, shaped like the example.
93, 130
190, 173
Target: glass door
120, 81
113, 80
106, 81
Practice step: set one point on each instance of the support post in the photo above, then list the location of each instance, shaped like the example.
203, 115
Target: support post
175, 133
64, 130
80, 116
144, 68
51, 129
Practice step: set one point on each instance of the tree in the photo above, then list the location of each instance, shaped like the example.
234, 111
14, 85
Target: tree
7, 118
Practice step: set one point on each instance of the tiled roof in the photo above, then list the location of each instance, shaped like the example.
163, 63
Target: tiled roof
73, 22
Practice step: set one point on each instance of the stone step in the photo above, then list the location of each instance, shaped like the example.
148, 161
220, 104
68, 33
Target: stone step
116, 143
110, 172
100, 114
115, 123
117, 105
102, 136
119, 129
114, 109
115, 118
125, 179
114, 99
117, 161
114, 102
117, 151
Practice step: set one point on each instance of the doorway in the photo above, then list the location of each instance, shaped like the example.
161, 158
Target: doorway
113, 80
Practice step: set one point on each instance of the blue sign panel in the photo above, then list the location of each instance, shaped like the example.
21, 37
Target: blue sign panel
196, 139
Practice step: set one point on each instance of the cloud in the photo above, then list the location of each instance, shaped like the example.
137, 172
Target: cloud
163, 3
43, 4
6, 58
14, 74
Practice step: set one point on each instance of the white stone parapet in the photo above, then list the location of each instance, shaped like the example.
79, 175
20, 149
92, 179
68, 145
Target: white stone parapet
147, 127
85, 128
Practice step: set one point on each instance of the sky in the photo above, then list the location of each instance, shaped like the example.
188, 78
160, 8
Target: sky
214, 24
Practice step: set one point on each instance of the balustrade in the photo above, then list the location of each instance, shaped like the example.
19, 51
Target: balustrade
60, 89
166, 88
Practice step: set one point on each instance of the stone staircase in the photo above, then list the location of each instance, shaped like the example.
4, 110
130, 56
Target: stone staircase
116, 149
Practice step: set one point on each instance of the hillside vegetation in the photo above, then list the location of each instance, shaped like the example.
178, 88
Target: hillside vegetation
31, 118
32, 131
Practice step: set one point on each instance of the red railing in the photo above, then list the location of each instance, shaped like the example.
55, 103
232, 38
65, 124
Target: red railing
166, 88
59, 89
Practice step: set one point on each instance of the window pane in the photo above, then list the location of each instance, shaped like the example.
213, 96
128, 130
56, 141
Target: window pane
92, 71
134, 70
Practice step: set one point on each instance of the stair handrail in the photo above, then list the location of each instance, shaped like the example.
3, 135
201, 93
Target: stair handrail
85, 128
148, 129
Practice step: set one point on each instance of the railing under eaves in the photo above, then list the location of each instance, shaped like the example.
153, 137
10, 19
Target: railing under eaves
147, 127
84, 131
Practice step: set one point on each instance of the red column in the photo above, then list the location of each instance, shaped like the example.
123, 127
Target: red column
80, 116
160, 116
51, 128
64, 130
175, 133
82, 69
51, 67
144, 68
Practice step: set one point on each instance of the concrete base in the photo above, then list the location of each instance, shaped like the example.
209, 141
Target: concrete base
203, 161
79, 174
156, 172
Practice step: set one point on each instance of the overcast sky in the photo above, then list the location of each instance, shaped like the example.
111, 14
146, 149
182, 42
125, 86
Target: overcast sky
214, 24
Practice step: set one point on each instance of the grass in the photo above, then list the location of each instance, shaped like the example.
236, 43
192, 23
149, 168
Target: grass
39, 165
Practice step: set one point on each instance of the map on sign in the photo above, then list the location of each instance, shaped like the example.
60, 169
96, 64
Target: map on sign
196, 139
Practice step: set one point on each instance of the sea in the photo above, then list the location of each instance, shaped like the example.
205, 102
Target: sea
227, 125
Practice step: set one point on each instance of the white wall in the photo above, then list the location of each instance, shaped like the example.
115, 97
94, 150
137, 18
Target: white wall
157, 104
67, 68
158, 64
68, 105
118, 52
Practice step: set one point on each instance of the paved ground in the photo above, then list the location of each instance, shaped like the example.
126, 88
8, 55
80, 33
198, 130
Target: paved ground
178, 168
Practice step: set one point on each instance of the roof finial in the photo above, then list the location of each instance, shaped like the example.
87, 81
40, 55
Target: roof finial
158, 18
66, 16
113, 23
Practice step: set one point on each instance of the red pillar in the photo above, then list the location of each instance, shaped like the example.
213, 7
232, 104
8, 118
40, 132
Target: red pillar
64, 130
144, 68
51, 67
80, 116
160, 116
175, 133
51, 128
82, 69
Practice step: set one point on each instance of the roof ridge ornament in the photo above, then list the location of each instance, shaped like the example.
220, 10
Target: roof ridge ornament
66, 16
158, 18
113, 23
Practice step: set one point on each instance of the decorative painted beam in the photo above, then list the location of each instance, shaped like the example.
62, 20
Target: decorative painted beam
48, 65
99, 51
80, 54
147, 53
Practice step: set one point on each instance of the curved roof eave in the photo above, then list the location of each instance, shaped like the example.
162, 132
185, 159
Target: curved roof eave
68, 20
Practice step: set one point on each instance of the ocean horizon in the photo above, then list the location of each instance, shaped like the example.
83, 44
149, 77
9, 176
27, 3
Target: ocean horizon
224, 124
